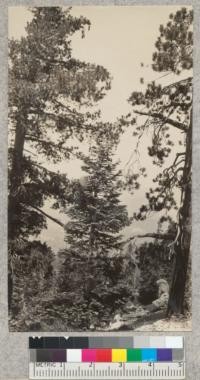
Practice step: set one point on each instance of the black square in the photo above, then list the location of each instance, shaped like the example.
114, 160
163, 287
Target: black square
66, 342
81, 342
52, 342
36, 342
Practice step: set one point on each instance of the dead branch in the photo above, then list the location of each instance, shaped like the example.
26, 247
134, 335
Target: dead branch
166, 120
55, 220
151, 235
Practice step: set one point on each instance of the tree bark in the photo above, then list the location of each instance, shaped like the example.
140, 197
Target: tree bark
180, 292
13, 200
15, 181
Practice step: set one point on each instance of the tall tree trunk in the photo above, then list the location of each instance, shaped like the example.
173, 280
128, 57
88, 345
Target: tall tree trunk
180, 292
15, 181
14, 206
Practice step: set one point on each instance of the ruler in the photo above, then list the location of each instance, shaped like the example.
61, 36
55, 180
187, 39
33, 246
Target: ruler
107, 371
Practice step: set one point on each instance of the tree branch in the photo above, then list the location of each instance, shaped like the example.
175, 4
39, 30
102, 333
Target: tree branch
167, 120
151, 235
45, 169
72, 112
47, 215
26, 150
175, 163
50, 143
182, 81
33, 138
177, 156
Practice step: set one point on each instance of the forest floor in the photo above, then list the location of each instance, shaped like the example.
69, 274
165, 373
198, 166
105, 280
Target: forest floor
172, 324
154, 321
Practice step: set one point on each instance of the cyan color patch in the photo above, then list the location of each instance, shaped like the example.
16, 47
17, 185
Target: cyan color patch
149, 355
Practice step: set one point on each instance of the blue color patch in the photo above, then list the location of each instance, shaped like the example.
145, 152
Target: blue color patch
149, 355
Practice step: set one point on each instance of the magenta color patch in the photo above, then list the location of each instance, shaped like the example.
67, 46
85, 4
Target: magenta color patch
88, 355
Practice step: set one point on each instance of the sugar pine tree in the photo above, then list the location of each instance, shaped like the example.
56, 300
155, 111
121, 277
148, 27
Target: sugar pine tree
47, 87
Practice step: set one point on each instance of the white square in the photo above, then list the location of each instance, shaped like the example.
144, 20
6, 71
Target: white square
74, 356
174, 341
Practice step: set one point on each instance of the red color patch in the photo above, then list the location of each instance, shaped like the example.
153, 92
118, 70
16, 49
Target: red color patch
104, 355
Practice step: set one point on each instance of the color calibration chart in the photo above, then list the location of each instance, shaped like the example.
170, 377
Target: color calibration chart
109, 358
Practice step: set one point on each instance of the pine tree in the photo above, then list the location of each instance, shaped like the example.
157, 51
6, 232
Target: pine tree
168, 108
47, 87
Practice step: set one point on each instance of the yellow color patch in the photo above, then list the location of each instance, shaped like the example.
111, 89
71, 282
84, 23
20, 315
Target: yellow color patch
118, 356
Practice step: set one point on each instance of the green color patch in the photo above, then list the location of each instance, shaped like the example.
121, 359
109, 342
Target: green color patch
134, 355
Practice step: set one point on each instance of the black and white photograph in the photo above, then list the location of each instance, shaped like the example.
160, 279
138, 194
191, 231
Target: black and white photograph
99, 168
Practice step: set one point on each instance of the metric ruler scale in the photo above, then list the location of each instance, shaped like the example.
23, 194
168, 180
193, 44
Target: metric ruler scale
109, 358
107, 371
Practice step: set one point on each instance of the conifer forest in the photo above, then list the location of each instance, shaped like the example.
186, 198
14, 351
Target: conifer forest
99, 168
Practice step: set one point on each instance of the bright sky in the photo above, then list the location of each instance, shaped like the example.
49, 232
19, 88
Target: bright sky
120, 39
